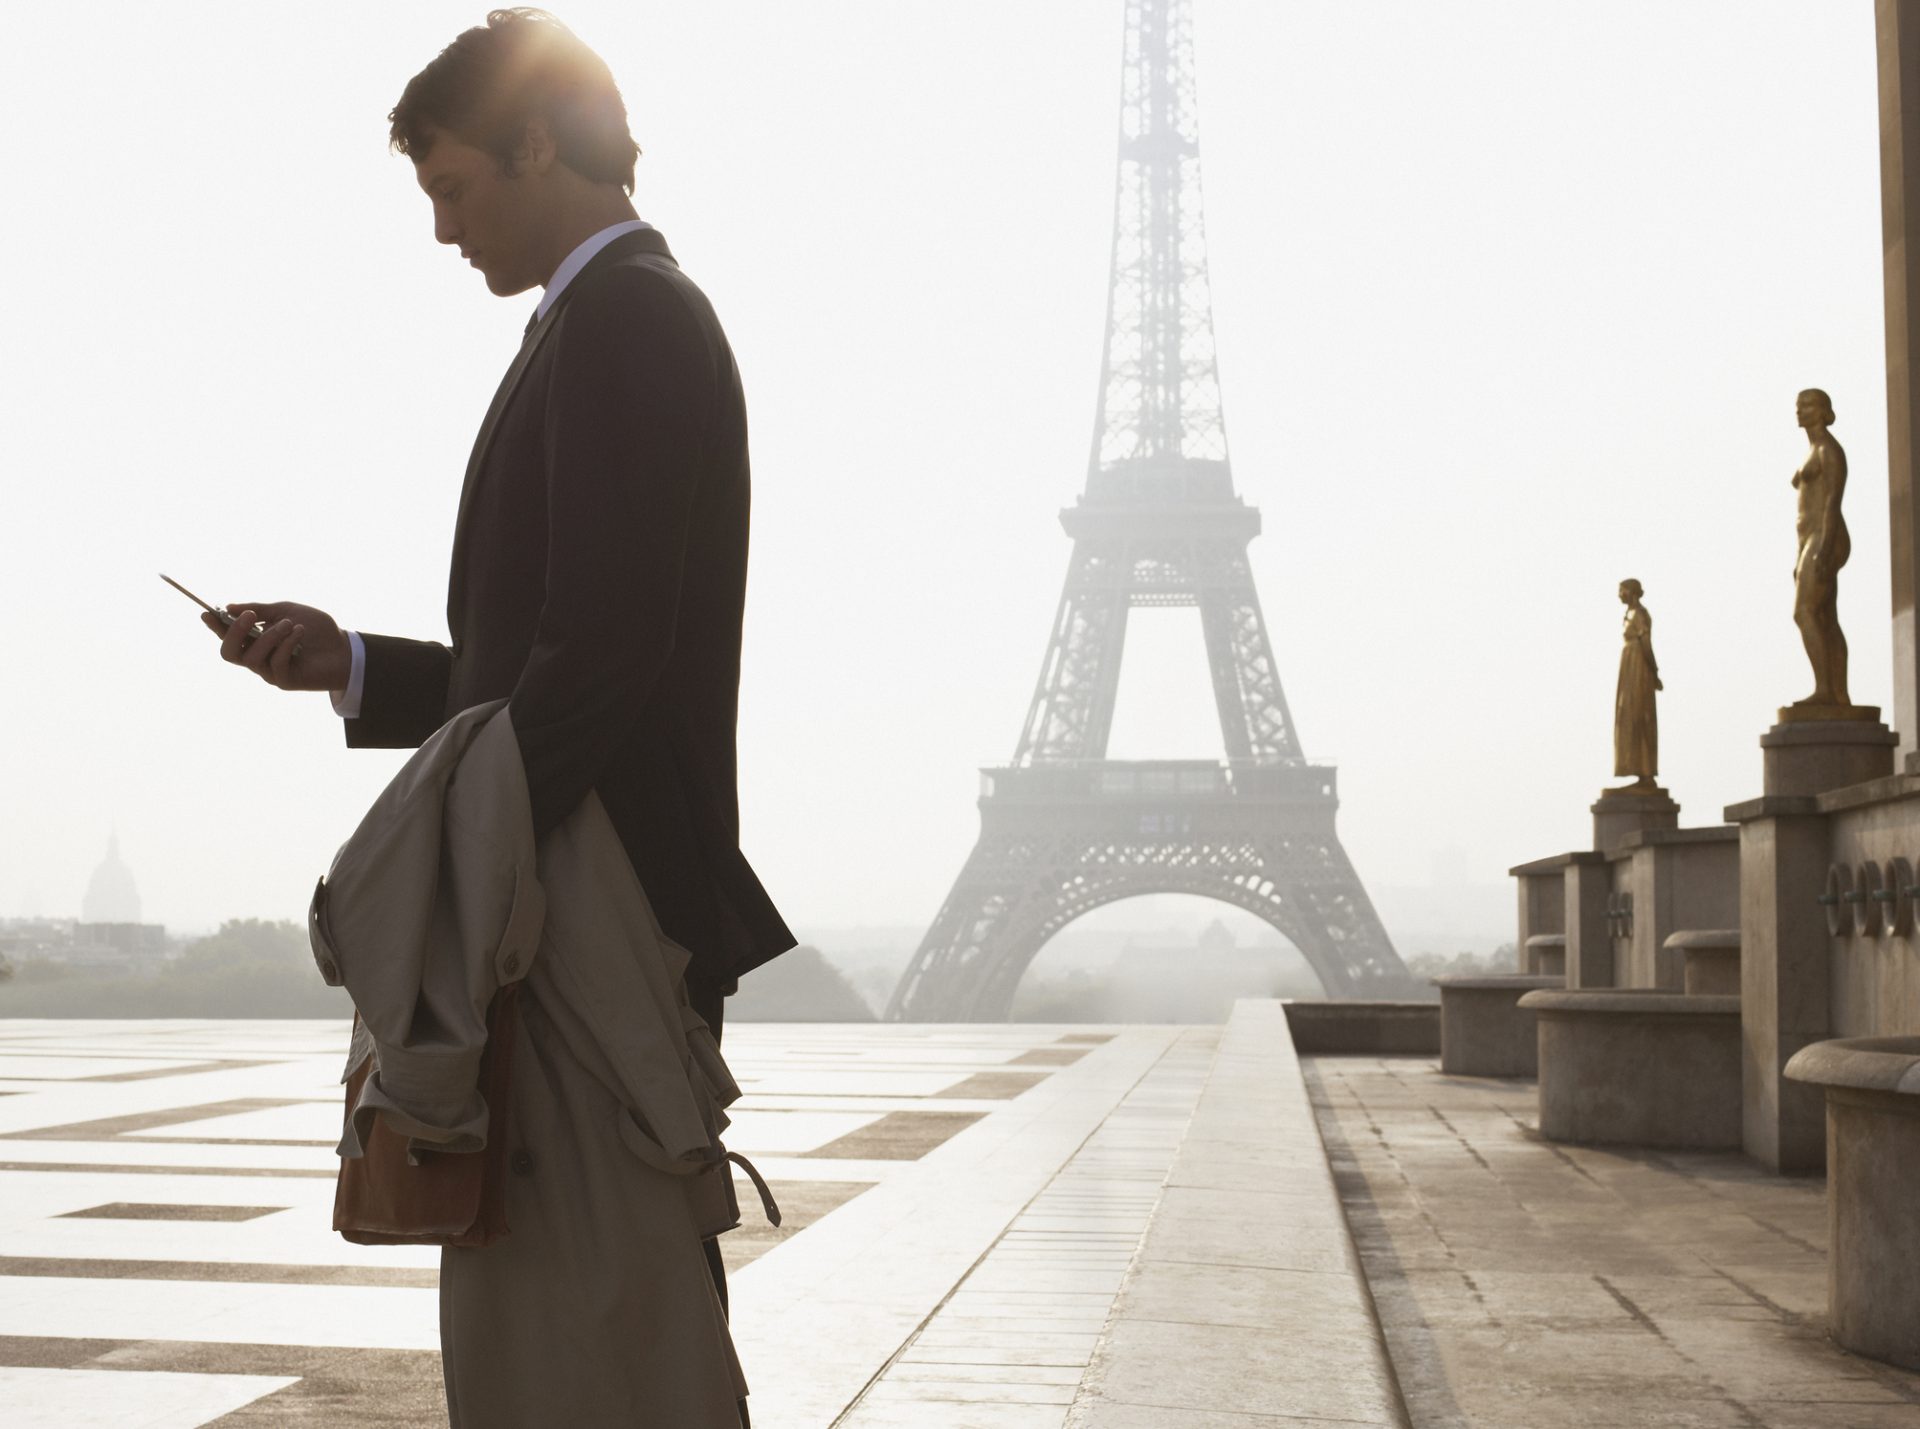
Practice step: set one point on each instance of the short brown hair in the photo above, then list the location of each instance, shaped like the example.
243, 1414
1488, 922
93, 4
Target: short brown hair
494, 79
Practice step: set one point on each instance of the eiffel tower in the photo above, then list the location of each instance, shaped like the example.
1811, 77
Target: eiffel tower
1064, 829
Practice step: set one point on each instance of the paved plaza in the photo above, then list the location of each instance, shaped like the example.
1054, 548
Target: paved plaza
960, 1207
1000, 1227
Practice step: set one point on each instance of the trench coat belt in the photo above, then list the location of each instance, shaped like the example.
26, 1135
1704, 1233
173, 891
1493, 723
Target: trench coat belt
651, 1152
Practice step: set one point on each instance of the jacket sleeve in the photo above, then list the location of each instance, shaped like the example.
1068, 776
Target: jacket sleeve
405, 696
630, 403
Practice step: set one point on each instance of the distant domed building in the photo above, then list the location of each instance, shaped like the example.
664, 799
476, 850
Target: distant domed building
111, 894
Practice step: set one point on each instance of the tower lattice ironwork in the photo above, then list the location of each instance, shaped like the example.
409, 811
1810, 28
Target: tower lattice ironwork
1064, 829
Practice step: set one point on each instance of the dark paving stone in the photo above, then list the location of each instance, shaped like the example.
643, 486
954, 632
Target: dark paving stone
161, 1211
325, 1401
186, 1071
1049, 1057
336, 1387
994, 1085
99, 1168
898, 1136
113, 1128
801, 1204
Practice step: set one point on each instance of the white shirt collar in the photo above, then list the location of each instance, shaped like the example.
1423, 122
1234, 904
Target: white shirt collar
571, 265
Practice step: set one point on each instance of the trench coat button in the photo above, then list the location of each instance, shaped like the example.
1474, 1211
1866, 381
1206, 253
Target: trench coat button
522, 1163
512, 964
328, 970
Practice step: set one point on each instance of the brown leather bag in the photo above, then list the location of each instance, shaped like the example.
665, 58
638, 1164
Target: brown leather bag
449, 1198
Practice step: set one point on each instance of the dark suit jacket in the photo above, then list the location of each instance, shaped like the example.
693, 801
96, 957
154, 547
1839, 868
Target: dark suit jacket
599, 574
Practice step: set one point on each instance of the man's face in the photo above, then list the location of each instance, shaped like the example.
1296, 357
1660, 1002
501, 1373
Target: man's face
483, 212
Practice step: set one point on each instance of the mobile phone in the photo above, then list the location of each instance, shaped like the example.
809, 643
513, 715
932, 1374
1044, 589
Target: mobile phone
220, 615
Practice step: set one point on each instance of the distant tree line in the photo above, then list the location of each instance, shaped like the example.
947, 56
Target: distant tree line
1501, 960
256, 968
249, 968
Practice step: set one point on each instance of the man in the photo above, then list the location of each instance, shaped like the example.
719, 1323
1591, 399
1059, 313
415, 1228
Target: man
1823, 548
599, 558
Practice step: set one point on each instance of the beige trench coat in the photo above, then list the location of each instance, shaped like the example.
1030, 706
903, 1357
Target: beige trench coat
598, 1308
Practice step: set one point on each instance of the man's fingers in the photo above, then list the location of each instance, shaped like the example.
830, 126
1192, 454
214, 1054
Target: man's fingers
280, 662
263, 645
234, 640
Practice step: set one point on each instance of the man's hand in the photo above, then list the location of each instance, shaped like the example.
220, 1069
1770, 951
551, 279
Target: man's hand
325, 658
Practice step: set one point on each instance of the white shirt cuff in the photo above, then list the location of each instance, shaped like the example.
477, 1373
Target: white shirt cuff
346, 703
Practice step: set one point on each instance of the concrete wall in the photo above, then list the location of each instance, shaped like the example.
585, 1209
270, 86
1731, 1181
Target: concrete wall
1670, 881
1874, 972
1387, 1029
1543, 907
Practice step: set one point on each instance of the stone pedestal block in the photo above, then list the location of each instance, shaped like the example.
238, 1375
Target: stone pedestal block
1784, 976
1620, 812
1638, 1067
1484, 1032
1546, 956
1707, 960
1813, 756
1872, 1087
1589, 880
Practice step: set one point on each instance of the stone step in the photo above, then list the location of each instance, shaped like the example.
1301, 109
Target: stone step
1246, 1298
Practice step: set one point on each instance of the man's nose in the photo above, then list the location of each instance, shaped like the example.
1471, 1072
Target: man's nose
445, 230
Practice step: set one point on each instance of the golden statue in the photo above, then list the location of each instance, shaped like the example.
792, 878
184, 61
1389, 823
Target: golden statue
1823, 549
1636, 725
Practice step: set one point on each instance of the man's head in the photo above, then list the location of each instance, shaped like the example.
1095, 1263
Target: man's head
1630, 591
514, 130
1814, 408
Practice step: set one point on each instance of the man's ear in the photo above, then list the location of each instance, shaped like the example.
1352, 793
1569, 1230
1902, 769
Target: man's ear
535, 153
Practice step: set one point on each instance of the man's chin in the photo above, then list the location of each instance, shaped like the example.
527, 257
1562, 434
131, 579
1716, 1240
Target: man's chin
502, 286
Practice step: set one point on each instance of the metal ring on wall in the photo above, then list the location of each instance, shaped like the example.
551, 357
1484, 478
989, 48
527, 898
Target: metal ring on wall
1899, 876
1872, 904
1838, 900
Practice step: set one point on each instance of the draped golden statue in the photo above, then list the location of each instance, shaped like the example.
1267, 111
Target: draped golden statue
1636, 726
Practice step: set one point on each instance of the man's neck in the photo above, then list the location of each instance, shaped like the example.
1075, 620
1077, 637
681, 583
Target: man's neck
599, 210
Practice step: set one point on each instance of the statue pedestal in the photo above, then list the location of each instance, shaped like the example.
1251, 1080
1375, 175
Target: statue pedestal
1808, 753
1620, 812
1786, 950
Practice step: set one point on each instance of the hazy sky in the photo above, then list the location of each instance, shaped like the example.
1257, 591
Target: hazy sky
1512, 301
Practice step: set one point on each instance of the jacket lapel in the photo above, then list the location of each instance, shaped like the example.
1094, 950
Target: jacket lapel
646, 240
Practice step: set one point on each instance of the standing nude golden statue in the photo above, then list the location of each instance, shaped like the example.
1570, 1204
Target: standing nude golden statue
1636, 727
1824, 547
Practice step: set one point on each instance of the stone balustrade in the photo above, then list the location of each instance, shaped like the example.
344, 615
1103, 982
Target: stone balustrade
1872, 1087
1484, 1031
1703, 962
1638, 1066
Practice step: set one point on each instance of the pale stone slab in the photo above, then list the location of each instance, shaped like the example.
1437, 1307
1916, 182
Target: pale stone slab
817, 1314
123, 1399
333, 1316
